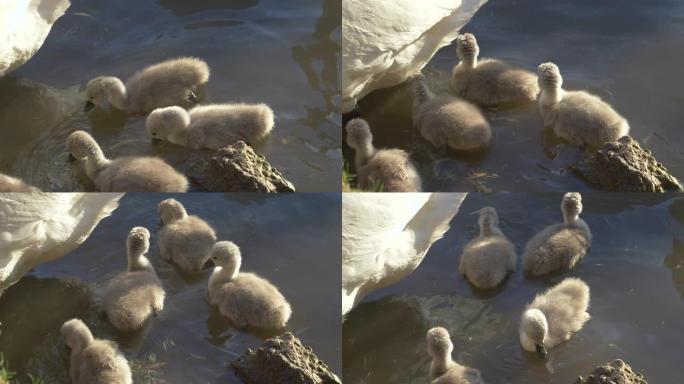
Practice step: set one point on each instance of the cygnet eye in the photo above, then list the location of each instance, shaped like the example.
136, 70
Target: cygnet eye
215, 258
92, 97
154, 133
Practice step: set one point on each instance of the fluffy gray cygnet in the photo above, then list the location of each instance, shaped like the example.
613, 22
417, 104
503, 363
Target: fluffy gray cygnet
554, 316
244, 298
443, 370
559, 247
490, 257
490, 82
172, 82
185, 240
136, 294
124, 174
392, 169
578, 117
446, 121
211, 126
94, 361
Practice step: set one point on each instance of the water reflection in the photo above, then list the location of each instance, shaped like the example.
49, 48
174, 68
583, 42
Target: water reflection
636, 303
185, 7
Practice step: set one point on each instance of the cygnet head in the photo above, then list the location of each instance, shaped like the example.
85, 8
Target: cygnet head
549, 76
137, 244
536, 328
421, 91
81, 145
226, 255
162, 122
76, 334
359, 135
488, 220
104, 90
467, 48
571, 205
439, 343
171, 210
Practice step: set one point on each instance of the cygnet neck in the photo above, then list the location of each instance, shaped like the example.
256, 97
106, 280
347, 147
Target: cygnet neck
363, 154
489, 229
440, 364
469, 62
138, 262
570, 218
421, 92
118, 96
551, 94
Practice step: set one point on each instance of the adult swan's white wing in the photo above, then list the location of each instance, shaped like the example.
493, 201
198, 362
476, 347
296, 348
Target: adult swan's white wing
40, 227
386, 41
24, 26
385, 236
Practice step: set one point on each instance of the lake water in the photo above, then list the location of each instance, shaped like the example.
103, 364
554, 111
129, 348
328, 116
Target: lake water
292, 240
629, 54
282, 53
635, 270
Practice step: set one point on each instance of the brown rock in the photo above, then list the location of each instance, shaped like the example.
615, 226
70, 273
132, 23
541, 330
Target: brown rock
236, 168
283, 360
623, 166
617, 372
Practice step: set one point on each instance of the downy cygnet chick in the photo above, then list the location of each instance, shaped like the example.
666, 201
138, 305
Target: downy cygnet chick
443, 370
490, 82
94, 361
488, 258
559, 247
172, 82
185, 240
447, 121
554, 316
124, 174
211, 126
391, 168
133, 296
12, 184
580, 118
244, 298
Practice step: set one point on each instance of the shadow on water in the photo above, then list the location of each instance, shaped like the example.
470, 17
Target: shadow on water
628, 55
292, 240
240, 40
633, 269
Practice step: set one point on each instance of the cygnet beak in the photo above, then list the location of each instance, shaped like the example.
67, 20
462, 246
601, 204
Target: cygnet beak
156, 141
88, 106
541, 351
209, 264
71, 158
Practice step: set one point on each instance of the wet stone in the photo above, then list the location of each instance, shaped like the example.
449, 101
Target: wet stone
623, 166
237, 168
283, 360
617, 372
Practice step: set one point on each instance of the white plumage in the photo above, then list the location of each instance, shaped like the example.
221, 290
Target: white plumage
24, 26
40, 227
385, 236
384, 42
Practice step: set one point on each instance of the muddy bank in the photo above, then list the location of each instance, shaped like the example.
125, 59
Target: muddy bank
616, 372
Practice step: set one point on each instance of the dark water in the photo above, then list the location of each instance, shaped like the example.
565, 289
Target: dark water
292, 240
635, 270
282, 53
628, 52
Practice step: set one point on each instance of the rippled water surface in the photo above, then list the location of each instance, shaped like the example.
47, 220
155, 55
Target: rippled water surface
281, 53
635, 270
628, 53
291, 240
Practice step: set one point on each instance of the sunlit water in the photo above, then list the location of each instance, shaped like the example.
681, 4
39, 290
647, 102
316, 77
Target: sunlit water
629, 54
282, 53
635, 270
291, 240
